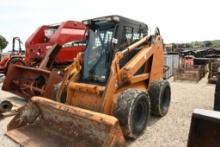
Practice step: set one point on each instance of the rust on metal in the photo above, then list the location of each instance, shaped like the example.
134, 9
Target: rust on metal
27, 82
192, 73
48, 123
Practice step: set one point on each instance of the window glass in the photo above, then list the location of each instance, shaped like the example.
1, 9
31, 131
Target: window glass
96, 55
131, 35
126, 37
136, 36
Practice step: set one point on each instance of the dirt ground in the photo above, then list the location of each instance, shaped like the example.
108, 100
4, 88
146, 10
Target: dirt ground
169, 131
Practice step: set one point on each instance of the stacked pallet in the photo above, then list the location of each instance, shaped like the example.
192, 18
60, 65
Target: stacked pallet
194, 73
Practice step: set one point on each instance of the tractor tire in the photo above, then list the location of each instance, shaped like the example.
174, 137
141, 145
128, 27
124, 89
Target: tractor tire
160, 96
5, 106
54, 93
14, 61
133, 112
217, 94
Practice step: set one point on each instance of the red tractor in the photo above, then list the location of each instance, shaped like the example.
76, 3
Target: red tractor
70, 33
15, 56
39, 43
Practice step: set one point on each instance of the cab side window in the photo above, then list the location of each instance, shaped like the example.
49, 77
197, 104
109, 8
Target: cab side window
136, 36
127, 36
130, 35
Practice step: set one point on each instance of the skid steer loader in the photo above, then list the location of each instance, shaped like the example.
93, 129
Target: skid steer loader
111, 91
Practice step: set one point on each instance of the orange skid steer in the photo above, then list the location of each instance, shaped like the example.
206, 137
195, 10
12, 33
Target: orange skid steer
111, 92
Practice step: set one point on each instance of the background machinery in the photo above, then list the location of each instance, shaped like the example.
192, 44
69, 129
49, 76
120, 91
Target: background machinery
112, 88
51, 47
46, 36
42, 40
15, 56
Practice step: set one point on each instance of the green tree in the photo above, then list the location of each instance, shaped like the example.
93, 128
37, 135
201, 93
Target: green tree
3, 42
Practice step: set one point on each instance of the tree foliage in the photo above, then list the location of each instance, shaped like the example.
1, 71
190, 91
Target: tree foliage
199, 44
3, 42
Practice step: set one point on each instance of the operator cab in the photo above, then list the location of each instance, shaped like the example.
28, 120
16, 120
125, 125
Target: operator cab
106, 36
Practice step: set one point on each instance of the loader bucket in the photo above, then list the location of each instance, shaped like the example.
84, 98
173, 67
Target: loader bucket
204, 129
43, 122
27, 82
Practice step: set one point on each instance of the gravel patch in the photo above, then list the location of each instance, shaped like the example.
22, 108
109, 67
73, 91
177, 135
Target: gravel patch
17, 102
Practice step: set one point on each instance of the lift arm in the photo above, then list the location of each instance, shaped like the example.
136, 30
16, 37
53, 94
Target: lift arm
119, 76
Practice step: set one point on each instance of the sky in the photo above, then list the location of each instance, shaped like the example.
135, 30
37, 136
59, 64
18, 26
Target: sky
179, 20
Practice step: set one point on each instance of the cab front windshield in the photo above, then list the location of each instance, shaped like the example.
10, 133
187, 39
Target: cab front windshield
97, 54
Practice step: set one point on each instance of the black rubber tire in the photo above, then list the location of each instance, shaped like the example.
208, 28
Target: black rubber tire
133, 112
5, 106
217, 95
54, 93
160, 96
